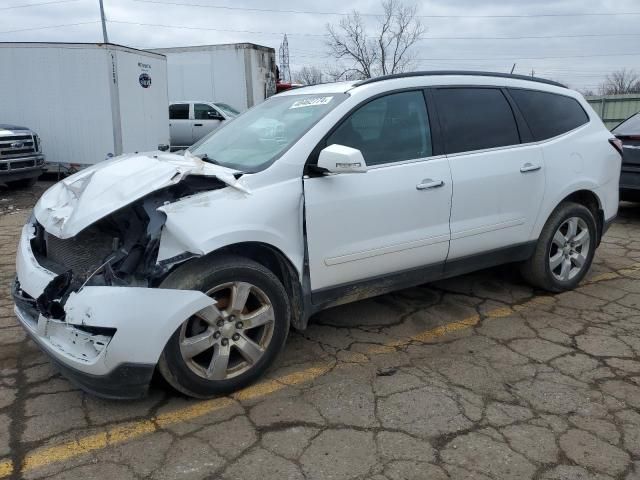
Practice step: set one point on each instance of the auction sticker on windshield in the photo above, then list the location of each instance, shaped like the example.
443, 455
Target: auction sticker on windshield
310, 102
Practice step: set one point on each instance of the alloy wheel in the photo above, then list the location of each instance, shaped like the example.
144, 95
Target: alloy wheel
569, 249
226, 339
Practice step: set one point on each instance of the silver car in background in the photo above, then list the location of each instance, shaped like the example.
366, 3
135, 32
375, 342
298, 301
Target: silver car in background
190, 121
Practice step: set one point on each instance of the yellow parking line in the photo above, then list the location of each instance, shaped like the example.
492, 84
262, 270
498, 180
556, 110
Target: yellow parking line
6, 468
131, 430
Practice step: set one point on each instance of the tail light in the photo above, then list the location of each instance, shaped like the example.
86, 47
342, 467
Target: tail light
617, 144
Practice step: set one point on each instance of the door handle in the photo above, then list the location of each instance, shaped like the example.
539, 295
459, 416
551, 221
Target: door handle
530, 167
427, 183
197, 124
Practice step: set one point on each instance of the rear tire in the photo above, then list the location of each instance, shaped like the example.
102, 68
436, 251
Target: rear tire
565, 249
221, 350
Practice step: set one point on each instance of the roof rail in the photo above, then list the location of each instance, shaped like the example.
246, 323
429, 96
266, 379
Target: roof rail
458, 72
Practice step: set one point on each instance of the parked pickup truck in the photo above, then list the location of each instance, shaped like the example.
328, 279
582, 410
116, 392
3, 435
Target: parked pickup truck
21, 158
190, 121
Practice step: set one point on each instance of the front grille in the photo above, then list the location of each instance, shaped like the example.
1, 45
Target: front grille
17, 164
13, 145
21, 151
22, 164
82, 254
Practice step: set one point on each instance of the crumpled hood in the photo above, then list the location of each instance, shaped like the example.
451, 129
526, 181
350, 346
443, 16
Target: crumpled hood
85, 197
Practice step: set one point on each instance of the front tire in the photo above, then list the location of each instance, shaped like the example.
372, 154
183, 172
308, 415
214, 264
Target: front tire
224, 348
565, 249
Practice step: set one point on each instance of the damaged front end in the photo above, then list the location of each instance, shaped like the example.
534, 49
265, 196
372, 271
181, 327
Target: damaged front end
120, 249
88, 292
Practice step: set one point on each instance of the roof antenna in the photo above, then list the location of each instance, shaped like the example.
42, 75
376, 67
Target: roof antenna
512, 69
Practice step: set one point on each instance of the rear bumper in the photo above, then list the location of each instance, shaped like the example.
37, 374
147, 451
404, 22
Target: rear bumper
21, 168
630, 183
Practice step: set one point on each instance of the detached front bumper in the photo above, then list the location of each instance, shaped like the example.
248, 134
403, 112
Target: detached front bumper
111, 337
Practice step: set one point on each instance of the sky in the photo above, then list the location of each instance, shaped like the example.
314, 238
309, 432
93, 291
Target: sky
577, 42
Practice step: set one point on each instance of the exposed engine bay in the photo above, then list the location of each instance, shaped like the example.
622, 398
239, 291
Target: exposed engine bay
121, 249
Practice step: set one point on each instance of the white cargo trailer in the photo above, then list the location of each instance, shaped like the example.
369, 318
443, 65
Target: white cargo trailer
241, 74
86, 101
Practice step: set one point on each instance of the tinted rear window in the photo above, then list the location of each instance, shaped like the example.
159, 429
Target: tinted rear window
475, 119
179, 111
549, 114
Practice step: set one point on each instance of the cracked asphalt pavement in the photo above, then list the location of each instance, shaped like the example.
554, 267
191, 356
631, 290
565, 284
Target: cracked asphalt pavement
477, 377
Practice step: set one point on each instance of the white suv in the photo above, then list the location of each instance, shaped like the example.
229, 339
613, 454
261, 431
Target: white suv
198, 264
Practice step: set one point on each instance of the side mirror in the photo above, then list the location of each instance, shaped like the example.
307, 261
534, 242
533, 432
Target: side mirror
340, 159
163, 148
214, 116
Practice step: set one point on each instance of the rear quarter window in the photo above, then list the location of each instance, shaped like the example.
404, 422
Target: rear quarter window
548, 114
631, 126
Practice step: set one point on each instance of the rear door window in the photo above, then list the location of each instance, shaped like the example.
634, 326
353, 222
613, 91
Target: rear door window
548, 114
475, 119
179, 111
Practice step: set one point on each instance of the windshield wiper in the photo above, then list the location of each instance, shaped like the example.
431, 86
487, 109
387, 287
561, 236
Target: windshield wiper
204, 157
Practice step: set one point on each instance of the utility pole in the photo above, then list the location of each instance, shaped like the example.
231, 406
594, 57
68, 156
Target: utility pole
105, 38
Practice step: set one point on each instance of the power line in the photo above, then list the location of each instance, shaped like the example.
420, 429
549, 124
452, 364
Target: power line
185, 27
49, 26
469, 59
495, 59
310, 12
258, 32
27, 5
539, 58
526, 37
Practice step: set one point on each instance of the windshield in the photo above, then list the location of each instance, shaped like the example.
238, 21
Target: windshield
228, 109
259, 136
631, 126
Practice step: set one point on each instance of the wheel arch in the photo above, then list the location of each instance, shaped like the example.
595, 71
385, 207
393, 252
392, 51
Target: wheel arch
277, 262
583, 196
589, 199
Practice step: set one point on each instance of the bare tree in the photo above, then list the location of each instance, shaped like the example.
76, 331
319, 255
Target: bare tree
384, 51
308, 76
621, 81
336, 74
